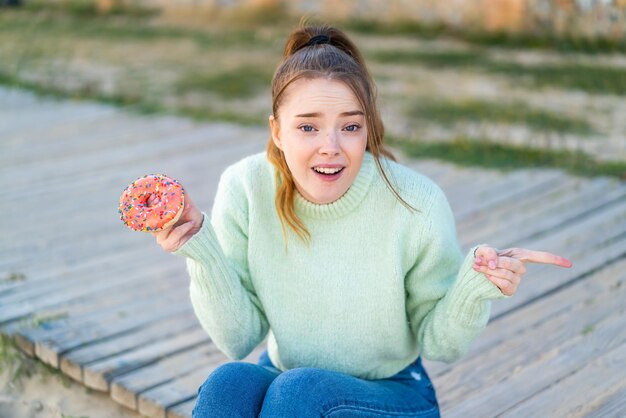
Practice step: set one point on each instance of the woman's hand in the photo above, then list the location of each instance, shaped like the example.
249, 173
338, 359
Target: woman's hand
505, 268
190, 222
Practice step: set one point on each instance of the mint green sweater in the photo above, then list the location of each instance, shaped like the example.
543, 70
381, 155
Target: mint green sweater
376, 286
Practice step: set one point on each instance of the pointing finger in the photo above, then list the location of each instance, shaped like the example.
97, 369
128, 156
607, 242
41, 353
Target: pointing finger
530, 256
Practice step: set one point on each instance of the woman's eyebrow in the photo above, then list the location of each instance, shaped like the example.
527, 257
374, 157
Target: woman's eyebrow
318, 114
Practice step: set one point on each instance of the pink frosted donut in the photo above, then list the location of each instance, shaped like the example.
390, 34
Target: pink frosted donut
165, 211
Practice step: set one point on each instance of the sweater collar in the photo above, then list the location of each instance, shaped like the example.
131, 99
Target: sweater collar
346, 203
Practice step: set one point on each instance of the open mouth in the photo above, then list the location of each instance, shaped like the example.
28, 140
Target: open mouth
327, 171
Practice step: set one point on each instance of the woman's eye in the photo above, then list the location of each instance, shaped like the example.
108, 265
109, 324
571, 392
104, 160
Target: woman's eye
306, 128
352, 128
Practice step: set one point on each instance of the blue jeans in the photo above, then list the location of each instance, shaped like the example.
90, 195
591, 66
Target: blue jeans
240, 389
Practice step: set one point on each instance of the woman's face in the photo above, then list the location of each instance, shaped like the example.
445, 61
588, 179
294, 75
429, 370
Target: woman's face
322, 132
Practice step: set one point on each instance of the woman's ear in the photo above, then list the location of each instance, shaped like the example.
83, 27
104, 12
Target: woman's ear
275, 129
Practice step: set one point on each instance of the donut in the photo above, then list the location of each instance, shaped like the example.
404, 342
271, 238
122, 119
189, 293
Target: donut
165, 211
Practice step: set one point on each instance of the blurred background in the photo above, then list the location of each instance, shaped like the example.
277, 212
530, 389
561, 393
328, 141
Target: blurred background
506, 84
501, 83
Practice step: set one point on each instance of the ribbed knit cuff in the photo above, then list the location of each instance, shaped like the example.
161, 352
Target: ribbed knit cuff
207, 267
469, 296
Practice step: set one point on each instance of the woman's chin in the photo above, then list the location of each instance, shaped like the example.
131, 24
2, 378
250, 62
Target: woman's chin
325, 198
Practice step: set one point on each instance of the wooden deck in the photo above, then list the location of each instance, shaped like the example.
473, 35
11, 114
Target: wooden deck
110, 309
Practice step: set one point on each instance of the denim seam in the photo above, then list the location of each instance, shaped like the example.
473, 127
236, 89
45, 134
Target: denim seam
378, 411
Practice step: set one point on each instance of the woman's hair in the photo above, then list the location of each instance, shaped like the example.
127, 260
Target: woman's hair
323, 52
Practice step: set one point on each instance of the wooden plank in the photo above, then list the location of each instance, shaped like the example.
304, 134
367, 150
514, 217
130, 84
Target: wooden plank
135, 267
614, 406
434, 169
12, 312
101, 192
491, 400
67, 255
73, 362
126, 241
33, 145
99, 374
84, 312
125, 389
447, 175
528, 345
43, 116
49, 351
531, 183
41, 138
157, 401
534, 286
557, 307
580, 393
98, 267
550, 193
47, 284
182, 410
549, 228
531, 205
528, 223
87, 219
599, 236
554, 219
487, 186
166, 146
95, 133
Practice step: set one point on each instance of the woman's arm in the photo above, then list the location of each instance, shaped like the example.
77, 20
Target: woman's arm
221, 289
449, 306
448, 302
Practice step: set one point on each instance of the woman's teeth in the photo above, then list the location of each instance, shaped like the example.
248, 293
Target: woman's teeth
327, 170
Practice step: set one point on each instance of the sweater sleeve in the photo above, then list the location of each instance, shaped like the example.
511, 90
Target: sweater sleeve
448, 303
221, 290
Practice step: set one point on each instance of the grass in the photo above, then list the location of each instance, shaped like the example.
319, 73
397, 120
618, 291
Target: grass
587, 330
567, 43
51, 52
460, 151
240, 82
42, 320
14, 277
204, 114
137, 87
123, 27
589, 78
88, 8
439, 59
445, 112
472, 152
19, 366
135, 103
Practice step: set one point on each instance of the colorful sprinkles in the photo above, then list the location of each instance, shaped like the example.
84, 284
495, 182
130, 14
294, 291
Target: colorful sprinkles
134, 210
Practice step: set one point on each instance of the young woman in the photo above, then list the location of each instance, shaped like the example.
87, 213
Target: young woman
348, 260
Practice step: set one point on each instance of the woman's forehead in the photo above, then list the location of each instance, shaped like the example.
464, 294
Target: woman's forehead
319, 95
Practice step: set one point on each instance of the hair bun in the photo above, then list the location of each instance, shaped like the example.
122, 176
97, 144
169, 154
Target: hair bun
319, 40
306, 36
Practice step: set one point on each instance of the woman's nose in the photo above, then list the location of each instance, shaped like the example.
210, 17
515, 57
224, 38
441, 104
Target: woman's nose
330, 145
